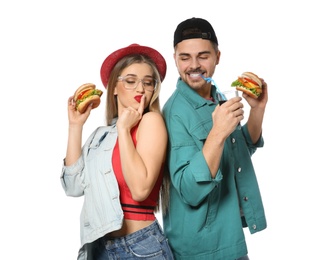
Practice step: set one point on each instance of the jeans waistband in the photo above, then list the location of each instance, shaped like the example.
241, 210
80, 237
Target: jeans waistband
134, 237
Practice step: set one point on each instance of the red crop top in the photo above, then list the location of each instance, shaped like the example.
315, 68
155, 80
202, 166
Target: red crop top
135, 210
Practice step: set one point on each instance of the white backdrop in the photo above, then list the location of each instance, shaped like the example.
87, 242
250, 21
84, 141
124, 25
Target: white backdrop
49, 48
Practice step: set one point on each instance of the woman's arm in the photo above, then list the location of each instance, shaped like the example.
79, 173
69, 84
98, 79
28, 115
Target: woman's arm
74, 142
141, 165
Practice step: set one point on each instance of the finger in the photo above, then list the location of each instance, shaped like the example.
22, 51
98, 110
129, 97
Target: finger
142, 105
70, 100
89, 108
71, 104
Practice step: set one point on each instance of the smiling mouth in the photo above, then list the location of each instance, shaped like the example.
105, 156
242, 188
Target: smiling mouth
195, 75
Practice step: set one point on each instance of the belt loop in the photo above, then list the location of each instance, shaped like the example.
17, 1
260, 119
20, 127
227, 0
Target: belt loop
125, 244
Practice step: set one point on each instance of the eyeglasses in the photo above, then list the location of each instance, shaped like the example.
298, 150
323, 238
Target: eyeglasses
131, 82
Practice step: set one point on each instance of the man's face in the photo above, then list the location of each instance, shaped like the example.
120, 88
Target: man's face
193, 58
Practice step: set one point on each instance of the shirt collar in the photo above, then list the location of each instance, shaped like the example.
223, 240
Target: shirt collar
192, 96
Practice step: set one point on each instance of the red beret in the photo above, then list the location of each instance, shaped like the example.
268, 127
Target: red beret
110, 62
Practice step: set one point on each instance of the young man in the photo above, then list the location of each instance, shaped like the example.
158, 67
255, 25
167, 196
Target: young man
214, 191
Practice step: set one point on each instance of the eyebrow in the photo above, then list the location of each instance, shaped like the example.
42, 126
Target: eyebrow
198, 54
135, 75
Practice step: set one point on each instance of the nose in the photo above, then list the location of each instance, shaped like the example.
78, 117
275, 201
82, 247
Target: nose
140, 87
195, 64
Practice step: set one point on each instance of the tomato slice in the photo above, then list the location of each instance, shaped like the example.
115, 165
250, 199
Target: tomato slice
81, 94
252, 81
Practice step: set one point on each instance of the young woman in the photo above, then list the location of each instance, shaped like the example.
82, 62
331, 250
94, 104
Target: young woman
119, 168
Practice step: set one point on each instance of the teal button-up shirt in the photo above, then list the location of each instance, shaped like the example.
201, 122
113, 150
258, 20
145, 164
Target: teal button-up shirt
206, 216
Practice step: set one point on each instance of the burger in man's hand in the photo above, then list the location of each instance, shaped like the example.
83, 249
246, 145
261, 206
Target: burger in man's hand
249, 83
86, 95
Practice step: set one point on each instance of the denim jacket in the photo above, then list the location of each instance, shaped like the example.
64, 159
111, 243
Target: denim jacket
93, 176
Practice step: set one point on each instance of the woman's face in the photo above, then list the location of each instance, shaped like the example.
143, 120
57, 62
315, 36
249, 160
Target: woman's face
134, 82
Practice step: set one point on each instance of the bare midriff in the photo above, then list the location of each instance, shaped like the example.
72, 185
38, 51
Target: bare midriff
129, 227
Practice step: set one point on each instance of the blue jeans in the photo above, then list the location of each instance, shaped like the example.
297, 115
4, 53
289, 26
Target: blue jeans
147, 243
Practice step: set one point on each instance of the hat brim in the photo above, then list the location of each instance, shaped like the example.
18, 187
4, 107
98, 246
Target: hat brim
110, 62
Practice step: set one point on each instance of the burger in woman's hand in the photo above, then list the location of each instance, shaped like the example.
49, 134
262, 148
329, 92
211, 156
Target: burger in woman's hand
249, 83
86, 95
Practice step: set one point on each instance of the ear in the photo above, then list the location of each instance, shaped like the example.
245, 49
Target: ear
218, 58
115, 91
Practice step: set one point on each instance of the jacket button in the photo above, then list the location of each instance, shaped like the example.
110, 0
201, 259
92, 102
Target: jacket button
239, 169
245, 198
233, 140
254, 226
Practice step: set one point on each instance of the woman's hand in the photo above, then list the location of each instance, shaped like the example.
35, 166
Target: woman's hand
74, 116
131, 116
